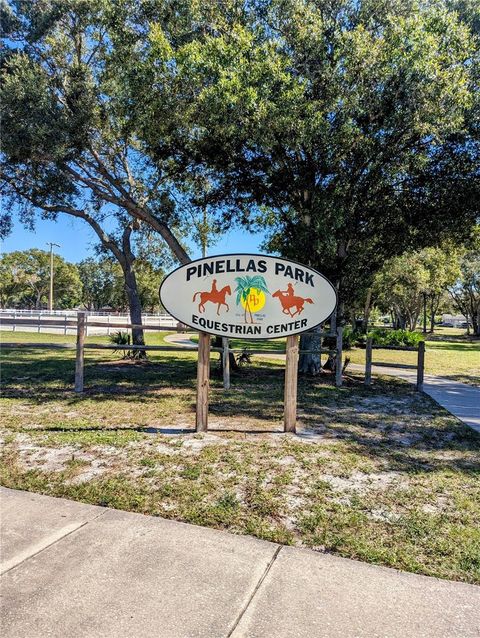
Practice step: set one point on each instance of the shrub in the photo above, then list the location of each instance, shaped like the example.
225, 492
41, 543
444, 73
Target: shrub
120, 338
351, 338
386, 337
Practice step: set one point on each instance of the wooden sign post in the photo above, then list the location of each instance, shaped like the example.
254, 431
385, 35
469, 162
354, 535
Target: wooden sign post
79, 359
368, 361
246, 296
226, 363
420, 366
291, 379
203, 381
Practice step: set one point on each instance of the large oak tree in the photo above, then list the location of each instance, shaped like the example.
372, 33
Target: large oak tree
68, 146
347, 128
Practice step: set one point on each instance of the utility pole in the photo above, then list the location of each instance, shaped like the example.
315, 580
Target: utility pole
50, 296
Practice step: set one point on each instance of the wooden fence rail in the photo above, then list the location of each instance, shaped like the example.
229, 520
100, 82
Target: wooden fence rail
204, 349
419, 366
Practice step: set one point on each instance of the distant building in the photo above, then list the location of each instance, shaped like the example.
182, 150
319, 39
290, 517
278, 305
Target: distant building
453, 320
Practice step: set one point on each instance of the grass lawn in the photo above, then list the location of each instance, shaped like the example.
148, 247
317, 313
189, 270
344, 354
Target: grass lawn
379, 474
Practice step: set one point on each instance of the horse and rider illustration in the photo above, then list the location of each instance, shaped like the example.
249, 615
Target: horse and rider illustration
289, 300
215, 296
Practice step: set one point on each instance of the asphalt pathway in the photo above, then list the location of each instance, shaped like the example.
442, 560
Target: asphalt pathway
460, 399
71, 570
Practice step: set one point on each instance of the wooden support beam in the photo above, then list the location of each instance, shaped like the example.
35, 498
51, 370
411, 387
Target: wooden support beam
145, 326
43, 345
79, 359
339, 358
291, 378
368, 361
38, 322
420, 366
203, 381
226, 364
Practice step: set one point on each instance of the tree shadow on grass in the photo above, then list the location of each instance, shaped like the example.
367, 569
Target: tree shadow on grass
257, 392
469, 346
388, 421
407, 431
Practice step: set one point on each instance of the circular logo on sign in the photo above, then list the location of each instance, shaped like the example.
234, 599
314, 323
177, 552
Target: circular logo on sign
254, 301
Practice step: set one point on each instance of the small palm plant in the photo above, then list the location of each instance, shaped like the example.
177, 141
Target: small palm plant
244, 288
120, 338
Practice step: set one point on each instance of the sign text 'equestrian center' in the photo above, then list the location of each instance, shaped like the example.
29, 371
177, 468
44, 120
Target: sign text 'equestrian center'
248, 296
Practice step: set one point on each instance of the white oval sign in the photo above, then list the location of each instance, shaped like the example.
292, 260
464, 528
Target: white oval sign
248, 296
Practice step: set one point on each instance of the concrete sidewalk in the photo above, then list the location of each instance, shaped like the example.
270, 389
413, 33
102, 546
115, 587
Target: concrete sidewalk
77, 571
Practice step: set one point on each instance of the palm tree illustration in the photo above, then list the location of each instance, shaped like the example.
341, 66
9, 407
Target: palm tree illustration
243, 289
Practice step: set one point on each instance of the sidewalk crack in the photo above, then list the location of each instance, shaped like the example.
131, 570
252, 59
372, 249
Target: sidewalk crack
57, 540
257, 587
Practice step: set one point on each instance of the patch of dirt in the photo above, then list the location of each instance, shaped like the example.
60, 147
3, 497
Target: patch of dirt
362, 483
51, 459
194, 444
384, 515
404, 438
287, 460
97, 468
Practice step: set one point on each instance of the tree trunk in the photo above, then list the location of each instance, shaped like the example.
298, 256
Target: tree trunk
233, 362
413, 320
366, 311
135, 309
433, 308
331, 342
126, 259
310, 362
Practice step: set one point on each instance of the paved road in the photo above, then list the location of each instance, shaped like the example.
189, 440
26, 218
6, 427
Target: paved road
71, 570
460, 399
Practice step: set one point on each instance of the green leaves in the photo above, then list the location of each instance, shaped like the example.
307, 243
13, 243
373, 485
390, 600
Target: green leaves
25, 280
331, 120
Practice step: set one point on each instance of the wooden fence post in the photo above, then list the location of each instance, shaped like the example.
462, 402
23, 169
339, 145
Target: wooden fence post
339, 358
291, 378
226, 363
420, 366
79, 359
203, 380
368, 361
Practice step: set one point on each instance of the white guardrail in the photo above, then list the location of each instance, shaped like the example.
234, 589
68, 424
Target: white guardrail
112, 319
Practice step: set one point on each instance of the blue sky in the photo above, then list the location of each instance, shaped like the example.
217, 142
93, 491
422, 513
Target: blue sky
77, 240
